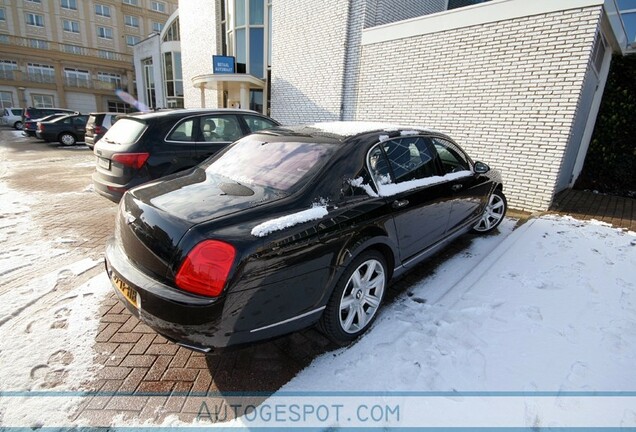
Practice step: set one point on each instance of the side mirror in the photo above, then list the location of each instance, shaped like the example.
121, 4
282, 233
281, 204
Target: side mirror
481, 168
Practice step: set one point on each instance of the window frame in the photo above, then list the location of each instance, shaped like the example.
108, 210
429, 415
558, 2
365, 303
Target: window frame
34, 97
104, 10
134, 21
35, 17
4, 100
451, 148
106, 30
73, 24
70, 4
131, 2
158, 6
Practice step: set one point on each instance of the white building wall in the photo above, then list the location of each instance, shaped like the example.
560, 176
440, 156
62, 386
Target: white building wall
149, 48
506, 91
308, 55
200, 22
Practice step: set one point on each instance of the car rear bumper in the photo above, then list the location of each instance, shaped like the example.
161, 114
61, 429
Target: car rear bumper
196, 322
112, 191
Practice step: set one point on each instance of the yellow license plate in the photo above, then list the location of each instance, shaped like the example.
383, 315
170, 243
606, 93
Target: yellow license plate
128, 292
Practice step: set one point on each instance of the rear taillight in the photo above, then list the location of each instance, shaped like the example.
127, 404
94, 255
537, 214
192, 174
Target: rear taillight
133, 160
40, 127
205, 269
97, 130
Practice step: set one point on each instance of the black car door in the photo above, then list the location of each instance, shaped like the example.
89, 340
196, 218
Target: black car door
178, 152
79, 126
406, 173
469, 192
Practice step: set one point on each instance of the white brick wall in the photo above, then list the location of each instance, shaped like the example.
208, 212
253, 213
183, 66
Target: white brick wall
308, 54
202, 39
506, 91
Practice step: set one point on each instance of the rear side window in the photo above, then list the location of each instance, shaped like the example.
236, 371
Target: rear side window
183, 132
125, 131
256, 123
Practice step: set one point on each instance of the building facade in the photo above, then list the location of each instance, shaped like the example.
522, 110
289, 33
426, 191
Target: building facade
73, 53
517, 83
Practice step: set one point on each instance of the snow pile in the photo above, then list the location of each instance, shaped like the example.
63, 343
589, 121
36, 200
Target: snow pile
287, 221
359, 182
551, 308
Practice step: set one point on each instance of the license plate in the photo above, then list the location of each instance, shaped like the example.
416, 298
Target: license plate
104, 163
128, 292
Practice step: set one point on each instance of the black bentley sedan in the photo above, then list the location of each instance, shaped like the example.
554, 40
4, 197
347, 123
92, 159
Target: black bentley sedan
291, 227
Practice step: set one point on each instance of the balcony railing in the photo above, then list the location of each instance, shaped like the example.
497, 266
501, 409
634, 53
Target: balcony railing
65, 48
75, 82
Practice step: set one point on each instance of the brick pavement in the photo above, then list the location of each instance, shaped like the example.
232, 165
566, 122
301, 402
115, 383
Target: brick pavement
145, 377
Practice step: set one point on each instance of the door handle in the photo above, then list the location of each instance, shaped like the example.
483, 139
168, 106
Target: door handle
457, 187
399, 204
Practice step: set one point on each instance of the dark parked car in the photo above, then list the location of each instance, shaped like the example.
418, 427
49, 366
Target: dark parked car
143, 147
31, 113
291, 227
97, 125
30, 126
67, 130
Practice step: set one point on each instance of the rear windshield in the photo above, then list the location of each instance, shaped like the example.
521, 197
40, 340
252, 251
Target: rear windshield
125, 131
282, 166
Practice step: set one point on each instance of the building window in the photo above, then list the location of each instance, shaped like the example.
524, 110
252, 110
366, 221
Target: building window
149, 82
110, 55
158, 6
77, 77
38, 43
35, 20
105, 32
4, 38
132, 40
69, 4
131, 2
110, 78
157, 26
73, 49
3, 16
71, 26
454, 4
102, 10
41, 73
174, 79
6, 69
131, 21
172, 33
6, 99
117, 106
42, 101
35, 1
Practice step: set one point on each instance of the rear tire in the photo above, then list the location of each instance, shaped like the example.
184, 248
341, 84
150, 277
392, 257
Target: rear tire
356, 299
67, 139
493, 214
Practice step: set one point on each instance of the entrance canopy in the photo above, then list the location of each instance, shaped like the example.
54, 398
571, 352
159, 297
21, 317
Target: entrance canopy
237, 86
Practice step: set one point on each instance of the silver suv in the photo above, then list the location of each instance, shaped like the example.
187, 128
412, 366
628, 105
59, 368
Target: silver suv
12, 117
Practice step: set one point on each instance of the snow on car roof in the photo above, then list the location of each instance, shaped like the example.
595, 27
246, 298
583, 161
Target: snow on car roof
351, 128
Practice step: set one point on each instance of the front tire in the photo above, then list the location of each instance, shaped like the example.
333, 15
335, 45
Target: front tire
356, 299
17, 125
493, 214
67, 139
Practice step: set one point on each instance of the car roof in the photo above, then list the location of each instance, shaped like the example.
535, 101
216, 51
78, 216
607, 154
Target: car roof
341, 131
183, 112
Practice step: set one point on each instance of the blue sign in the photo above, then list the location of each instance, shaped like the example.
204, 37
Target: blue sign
223, 64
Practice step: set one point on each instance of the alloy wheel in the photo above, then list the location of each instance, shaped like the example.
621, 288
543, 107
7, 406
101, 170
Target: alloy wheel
493, 213
362, 296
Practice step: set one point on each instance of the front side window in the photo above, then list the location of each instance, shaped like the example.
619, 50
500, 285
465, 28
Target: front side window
68, 4
452, 158
102, 10
409, 158
71, 26
35, 20
42, 101
131, 21
105, 32
256, 123
282, 166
